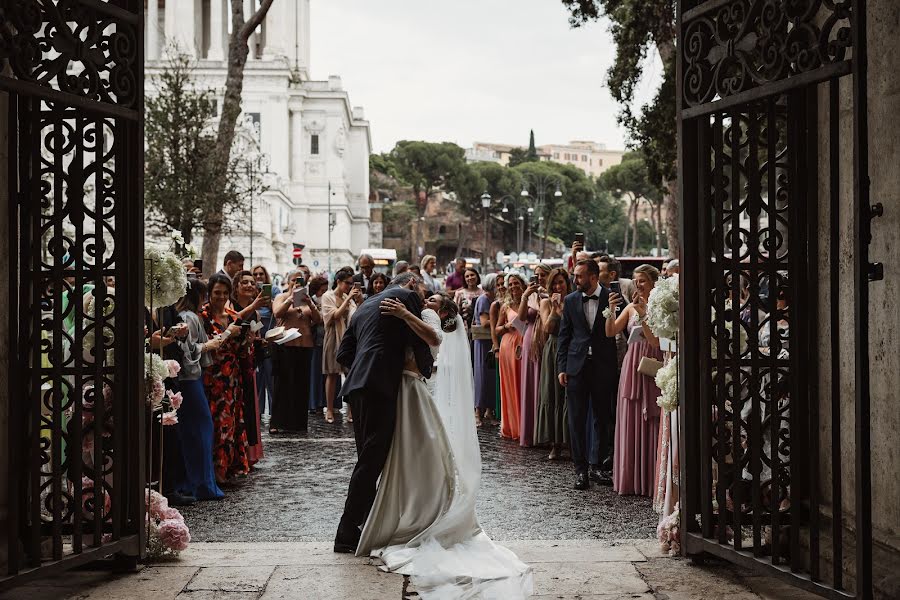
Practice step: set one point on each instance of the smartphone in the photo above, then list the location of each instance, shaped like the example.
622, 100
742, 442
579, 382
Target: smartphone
198, 264
300, 296
357, 285
533, 279
266, 290
579, 239
616, 287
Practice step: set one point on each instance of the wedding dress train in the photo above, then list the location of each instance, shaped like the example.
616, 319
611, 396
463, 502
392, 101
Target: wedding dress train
423, 522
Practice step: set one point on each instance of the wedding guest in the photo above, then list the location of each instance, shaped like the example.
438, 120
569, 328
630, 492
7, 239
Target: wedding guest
496, 305
223, 385
317, 287
637, 421
291, 409
465, 297
485, 362
232, 264
364, 276
338, 305
552, 425
586, 360
195, 426
377, 283
265, 384
674, 267
510, 357
246, 300
456, 280
529, 388
427, 265
401, 267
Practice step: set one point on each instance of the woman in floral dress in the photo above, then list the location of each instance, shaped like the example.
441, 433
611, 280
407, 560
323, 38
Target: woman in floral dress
224, 384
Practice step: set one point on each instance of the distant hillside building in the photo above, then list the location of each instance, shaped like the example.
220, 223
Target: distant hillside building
591, 157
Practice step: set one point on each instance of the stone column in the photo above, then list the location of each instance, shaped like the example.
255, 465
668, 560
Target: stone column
216, 30
180, 26
295, 106
152, 26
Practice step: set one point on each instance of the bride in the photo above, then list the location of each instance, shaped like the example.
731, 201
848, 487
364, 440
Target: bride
423, 523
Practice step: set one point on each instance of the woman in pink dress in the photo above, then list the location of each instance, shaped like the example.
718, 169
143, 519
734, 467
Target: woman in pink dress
532, 349
637, 414
510, 358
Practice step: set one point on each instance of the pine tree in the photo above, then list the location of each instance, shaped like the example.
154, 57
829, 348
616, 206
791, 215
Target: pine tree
532, 150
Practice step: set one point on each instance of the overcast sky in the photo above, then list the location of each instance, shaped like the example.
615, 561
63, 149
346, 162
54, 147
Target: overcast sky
470, 70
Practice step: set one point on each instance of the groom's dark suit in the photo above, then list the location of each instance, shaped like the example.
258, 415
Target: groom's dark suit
588, 358
374, 351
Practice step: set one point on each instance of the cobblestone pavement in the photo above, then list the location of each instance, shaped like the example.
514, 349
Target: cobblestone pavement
296, 493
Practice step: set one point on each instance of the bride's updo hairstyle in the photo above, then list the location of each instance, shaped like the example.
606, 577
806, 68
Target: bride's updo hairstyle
449, 309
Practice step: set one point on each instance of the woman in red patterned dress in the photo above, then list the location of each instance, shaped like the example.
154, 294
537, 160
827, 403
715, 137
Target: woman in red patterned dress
224, 384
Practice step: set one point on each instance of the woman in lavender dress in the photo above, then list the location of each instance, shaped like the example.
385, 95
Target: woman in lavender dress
485, 364
637, 414
532, 350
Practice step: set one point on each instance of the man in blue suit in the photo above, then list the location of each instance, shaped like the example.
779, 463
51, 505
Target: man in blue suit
587, 364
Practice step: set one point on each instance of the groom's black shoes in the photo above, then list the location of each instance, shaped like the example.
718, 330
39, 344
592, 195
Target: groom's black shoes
347, 539
581, 481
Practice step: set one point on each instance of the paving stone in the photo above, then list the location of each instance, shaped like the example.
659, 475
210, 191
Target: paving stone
152, 583
769, 588
218, 595
680, 579
588, 578
595, 597
338, 582
225, 554
537, 551
297, 492
231, 579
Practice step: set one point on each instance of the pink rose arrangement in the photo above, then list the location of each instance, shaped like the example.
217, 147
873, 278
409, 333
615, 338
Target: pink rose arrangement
169, 534
174, 367
89, 501
667, 532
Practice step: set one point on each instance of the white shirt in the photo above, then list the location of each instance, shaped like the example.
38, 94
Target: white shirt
591, 307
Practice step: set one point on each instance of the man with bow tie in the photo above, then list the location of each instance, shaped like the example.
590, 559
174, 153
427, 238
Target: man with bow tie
587, 369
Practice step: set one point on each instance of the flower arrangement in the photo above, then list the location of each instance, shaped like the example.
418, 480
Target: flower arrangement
165, 280
158, 398
668, 534
89, 500
662, 308
607, 312
729, 330
667, 381
169, 534
179, 246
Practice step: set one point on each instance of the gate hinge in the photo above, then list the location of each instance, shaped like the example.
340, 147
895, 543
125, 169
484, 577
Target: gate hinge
876, 269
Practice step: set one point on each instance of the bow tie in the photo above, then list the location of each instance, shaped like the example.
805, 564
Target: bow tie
587, 298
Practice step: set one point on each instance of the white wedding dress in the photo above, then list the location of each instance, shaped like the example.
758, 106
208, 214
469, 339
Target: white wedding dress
423, 522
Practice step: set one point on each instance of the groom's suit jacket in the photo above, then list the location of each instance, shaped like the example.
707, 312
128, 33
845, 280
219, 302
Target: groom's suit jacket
374, 346
575, 337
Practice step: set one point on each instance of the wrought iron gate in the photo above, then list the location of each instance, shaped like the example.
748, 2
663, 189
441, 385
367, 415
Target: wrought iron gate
73, 74
754, 76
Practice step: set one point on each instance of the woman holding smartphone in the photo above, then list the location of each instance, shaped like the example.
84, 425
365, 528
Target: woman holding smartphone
247, 300
294, 309
338, 305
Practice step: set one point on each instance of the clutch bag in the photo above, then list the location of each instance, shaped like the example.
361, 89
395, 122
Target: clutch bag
649, 366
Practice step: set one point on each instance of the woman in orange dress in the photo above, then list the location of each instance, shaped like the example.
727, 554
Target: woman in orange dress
510, 358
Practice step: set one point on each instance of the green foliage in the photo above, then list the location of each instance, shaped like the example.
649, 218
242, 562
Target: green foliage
532, 149
428, 167
636, 26
630, 177
179, 168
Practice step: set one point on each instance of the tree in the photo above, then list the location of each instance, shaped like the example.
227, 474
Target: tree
179, 158
532, 150
630, 180
238, 50
636, 26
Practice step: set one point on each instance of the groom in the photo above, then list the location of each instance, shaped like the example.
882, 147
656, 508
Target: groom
587, 365
374, 351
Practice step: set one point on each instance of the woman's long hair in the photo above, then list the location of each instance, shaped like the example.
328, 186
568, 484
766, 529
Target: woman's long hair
507, 302
236, 285
541, 333
193, 297
340, 275
448, 323
264, 270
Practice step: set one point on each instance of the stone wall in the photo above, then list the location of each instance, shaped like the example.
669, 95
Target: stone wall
884, 316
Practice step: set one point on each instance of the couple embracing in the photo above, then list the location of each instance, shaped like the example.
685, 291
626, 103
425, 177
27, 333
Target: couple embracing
411, 500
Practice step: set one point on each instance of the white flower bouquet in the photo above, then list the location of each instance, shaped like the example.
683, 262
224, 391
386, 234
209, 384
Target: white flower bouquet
180, 247
667, 380
165, 280
662, 308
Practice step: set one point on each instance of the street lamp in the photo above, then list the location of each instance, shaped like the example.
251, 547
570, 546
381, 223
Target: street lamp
542, 186
485, 204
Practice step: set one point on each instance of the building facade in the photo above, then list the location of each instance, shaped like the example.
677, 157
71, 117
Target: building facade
315, 140
591, 157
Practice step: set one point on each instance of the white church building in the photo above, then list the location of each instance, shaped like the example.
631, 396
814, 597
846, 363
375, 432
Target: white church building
313, 137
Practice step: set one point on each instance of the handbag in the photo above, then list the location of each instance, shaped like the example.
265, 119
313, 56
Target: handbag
649, 366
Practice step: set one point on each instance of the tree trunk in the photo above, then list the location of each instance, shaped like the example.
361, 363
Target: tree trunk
672, 233
657, 220
231, 109
634, 226
627, 229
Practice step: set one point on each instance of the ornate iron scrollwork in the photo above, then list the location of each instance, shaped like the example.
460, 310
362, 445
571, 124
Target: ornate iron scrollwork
73, 47
748, 43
